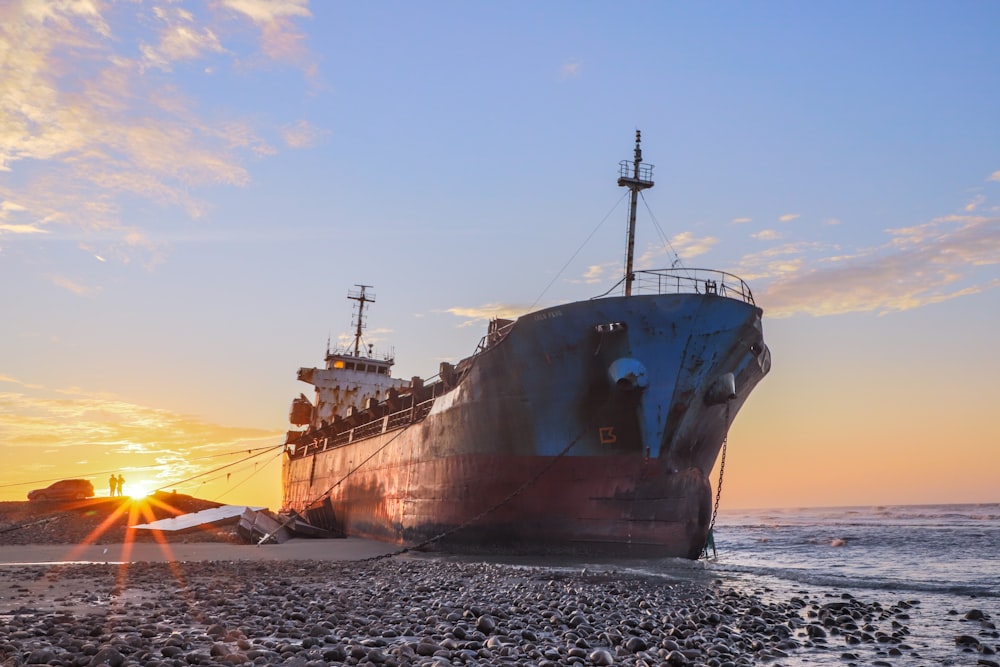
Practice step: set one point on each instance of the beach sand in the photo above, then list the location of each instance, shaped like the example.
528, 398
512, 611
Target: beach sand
356, 602
350, 602
350, 548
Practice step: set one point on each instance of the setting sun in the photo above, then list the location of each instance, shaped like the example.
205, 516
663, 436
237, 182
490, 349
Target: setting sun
139, 490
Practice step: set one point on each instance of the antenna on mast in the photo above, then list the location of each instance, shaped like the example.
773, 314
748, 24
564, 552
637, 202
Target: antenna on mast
640, 178
362, 297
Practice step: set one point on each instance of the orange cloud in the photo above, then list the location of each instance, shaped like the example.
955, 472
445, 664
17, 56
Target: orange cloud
485, 313
688, 246
596, 273
107, 432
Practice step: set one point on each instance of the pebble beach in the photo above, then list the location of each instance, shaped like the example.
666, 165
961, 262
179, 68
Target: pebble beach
788, 588
427, 611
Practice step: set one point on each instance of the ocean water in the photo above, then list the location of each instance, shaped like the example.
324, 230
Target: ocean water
943, 560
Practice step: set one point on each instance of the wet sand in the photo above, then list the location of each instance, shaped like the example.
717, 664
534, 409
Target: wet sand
350, 548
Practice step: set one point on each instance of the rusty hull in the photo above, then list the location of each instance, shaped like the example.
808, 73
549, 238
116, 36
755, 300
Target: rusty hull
589, 427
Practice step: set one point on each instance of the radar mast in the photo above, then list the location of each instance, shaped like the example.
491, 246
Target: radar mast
362, 297
635, 176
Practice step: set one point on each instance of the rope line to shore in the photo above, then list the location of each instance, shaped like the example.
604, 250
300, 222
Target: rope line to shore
340, 481
485, 512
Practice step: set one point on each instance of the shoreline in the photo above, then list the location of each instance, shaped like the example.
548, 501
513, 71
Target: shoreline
351, 548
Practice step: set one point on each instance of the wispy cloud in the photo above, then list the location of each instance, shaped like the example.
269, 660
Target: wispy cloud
279, 39
740, 221
766, 235
92, 117
73, 286
570, 70
478, 314
374, 337
69, 425
788, 217
303, 134
596, 273
688, 246
180, 39
995, 176
975, 203
919, 265
22, 229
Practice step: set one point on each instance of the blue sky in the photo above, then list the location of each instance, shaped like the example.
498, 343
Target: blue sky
188, 191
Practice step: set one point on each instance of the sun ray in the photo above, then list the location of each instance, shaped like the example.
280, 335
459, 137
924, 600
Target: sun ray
97, 532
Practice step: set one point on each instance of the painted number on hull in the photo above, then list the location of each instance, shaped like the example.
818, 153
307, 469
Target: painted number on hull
608, 436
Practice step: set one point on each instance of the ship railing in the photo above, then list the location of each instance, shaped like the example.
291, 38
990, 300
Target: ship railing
322, 441
373, 427
494, 337
685, 281
404, 417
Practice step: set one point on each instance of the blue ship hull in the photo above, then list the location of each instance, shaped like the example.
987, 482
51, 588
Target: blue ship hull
587, 427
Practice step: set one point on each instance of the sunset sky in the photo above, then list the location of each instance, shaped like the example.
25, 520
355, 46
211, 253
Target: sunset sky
188, 190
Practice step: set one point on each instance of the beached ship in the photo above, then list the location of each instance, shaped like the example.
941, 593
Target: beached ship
587, 427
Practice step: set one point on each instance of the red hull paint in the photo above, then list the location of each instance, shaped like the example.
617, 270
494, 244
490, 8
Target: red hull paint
539, 444
625, 505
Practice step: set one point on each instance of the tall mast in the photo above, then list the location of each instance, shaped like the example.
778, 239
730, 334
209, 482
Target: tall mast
640, 178
362, 298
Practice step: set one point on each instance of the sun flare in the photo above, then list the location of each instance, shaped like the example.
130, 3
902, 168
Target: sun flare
137, 491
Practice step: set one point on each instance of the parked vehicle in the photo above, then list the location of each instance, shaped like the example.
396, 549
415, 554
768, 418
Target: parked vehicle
64, 489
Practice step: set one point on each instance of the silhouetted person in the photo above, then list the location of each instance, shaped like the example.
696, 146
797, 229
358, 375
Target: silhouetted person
114, 485
121, 482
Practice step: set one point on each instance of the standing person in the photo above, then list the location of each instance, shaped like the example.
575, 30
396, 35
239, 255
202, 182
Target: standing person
114, 485
121, 483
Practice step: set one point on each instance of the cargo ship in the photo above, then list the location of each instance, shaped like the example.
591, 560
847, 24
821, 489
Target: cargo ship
589, 427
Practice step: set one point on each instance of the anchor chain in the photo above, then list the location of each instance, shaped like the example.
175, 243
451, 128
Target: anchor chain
718, 488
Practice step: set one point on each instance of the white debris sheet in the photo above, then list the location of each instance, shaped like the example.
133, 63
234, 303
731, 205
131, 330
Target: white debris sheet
185, 521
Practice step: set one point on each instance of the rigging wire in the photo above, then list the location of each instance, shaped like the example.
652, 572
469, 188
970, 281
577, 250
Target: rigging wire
656, 224
231, 472
326, 493
663, 237
156, 466
257, 470
510, 496
214, 470
576, 252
